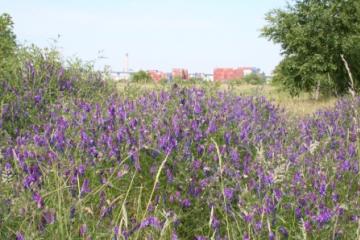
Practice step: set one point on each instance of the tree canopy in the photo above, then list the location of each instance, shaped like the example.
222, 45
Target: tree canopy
313, 35
8, 48
7, 36
141, 76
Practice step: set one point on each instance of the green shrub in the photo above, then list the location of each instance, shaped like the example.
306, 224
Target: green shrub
255, 78
39, 78
141, 77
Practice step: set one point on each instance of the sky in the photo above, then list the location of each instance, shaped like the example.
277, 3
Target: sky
199, 35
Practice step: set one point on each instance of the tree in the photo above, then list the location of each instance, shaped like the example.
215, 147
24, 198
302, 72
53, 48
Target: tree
255, 78
313, 35
7, 36
141, 76
7, 43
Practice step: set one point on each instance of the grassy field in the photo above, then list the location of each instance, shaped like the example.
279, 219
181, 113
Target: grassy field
301, 105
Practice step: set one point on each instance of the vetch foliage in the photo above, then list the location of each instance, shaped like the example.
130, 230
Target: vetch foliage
182, 163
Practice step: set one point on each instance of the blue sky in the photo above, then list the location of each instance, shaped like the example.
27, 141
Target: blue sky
195, 34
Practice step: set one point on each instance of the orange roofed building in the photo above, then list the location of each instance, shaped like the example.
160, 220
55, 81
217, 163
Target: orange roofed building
226, 74
180, 73
157, 76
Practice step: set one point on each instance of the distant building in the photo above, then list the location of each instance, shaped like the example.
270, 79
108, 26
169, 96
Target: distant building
219, 74
180, 73
125, 74
250, 70
196, 75
121, 75
202, 76
226, 74
208, 77
157, 76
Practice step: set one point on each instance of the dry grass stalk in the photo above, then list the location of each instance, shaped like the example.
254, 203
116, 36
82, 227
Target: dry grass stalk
352, 92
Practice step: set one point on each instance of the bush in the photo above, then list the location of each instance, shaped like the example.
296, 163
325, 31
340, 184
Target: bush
39, 78
255, 78
141, 77
7, 42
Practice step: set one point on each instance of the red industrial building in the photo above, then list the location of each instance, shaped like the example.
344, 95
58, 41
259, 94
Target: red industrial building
180, 73
226, 74
220, 74
157, 76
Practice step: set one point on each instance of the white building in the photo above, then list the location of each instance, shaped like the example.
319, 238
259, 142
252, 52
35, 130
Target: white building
203, 76
208, 77
121, 75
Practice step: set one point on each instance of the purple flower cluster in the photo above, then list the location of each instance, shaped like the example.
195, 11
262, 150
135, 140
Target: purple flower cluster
275, 173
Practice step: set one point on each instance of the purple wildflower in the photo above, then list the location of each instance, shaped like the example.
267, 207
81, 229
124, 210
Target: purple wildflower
169, 175
116, 231
201, 238
8, 166
47, 218
72, 213
197, 108
196, 165
136, 159
227, 137
229, 193
38, 200
212, 127
174, 236
324, 216
248, 218
307, 226
83, 230
37, 99
284, 232
215, 223
246, 237
186, 203
152, 222
85, 188
234, 156
19, 236
105, 211
81, 169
